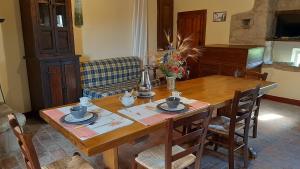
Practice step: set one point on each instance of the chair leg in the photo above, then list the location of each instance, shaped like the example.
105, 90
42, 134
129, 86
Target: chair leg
216, 147
184, 130
254, 134
231, 158
134, 164
245, 140
255, 121
245, 154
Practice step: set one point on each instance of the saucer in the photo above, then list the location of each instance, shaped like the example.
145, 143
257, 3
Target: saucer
72, 119
88, 118
164, 106
145, 96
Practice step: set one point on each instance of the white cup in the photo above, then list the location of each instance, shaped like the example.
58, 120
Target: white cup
85, 101
176, 94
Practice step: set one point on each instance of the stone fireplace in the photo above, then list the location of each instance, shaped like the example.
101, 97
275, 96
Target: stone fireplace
255, 27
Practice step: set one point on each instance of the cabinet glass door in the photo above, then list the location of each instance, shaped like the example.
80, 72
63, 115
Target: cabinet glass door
44, 14
46, 32
62, 25
60, 13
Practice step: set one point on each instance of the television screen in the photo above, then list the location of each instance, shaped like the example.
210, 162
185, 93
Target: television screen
288, 25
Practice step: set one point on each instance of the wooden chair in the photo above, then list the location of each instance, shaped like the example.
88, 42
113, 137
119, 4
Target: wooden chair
171, 155
254, 119
225, 131
30, 156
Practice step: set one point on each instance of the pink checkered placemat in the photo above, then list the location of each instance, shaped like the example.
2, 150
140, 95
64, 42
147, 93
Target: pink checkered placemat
148, 114
106, 122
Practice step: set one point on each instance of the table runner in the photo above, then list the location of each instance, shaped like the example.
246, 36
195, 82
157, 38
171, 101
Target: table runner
148, 114
106, 122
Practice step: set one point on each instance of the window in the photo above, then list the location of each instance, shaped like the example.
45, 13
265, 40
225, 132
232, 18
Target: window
295, 59
286, 52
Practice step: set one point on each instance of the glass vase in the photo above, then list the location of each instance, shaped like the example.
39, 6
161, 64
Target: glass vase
171, 83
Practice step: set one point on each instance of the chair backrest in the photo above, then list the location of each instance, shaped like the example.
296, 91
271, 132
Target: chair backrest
109, 71
25, 143
196, 138
252, 75
256, 75
243, 103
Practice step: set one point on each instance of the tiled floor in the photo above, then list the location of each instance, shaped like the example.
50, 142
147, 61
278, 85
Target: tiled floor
277, 145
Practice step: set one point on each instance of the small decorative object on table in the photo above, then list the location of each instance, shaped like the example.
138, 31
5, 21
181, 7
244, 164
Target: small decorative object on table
145, 87
78, 112
85, 101
173, 102
128, 99
173, 62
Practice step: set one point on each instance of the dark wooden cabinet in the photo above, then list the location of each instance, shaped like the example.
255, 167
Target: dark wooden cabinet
61, 78
226, 59
53, 68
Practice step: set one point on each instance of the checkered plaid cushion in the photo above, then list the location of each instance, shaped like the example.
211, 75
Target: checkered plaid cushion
109, 90
109, 71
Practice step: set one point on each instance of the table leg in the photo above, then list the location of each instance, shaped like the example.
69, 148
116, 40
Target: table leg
110, 158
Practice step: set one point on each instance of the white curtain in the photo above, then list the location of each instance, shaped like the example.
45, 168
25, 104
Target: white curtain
140, 37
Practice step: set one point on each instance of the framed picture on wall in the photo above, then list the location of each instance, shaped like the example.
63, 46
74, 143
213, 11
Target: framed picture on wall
219, 16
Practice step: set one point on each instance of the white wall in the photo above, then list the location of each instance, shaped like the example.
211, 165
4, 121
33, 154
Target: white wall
152, 26
289, 83
13, 74
107, 29
3, 68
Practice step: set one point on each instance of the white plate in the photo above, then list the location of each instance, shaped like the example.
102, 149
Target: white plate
165, 107
145, 96
70, 118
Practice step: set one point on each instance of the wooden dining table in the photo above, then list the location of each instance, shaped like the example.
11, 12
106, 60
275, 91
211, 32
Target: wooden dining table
216, 90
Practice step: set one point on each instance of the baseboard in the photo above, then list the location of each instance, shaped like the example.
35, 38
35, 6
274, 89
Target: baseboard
282, 100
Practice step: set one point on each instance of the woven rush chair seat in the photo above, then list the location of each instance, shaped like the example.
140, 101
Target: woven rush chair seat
220, 125
171, 154
154, 158
69, 163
